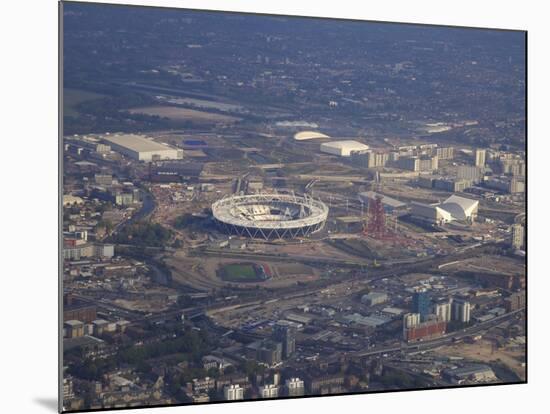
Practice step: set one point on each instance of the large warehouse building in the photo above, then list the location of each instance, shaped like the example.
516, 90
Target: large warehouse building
454, 208
343, 148
141, 148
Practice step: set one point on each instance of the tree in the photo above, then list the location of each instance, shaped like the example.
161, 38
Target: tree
105, 224
229, 370
144, 234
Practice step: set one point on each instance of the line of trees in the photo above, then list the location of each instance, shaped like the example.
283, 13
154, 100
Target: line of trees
144, 234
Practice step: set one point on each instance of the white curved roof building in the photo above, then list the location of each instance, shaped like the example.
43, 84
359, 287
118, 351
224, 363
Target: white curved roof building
460, 208
305, 135
454, 208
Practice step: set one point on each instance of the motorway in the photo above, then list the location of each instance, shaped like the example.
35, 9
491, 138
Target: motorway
352, 262
401, 347
372, 275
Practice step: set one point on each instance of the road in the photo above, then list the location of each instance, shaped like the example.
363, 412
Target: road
147, 207
372, 275
445, 339
430, 261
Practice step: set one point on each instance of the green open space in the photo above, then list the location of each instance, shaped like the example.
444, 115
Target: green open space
242, 272
73, 97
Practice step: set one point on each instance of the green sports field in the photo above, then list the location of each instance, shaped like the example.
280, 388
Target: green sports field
242, 273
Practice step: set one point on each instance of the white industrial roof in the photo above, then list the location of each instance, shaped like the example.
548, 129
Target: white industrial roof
346, 144
137, 143
304, 135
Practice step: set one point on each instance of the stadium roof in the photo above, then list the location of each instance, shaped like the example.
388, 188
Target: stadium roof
254, 210
305, 135
137, 143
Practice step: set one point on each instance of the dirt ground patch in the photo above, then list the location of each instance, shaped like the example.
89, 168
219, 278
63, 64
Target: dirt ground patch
183, 114
293, 269
491, 264
484, 351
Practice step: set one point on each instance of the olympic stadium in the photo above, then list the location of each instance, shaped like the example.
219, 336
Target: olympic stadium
270, 216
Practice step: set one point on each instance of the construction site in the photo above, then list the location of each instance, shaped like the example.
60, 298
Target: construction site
310, 209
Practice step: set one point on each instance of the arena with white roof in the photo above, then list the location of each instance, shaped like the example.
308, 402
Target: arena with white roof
455, 208
343, 148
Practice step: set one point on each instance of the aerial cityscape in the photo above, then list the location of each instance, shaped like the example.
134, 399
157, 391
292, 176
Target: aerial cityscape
263, 207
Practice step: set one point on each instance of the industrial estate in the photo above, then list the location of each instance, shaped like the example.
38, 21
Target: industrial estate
328, 208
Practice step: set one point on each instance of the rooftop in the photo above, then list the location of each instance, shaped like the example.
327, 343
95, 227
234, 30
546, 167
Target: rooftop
347, 143
74, 322
371, 320
138, 143
81, 341
469, 370
460, 207
375, 295
391, 202
100, 322
304, 135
